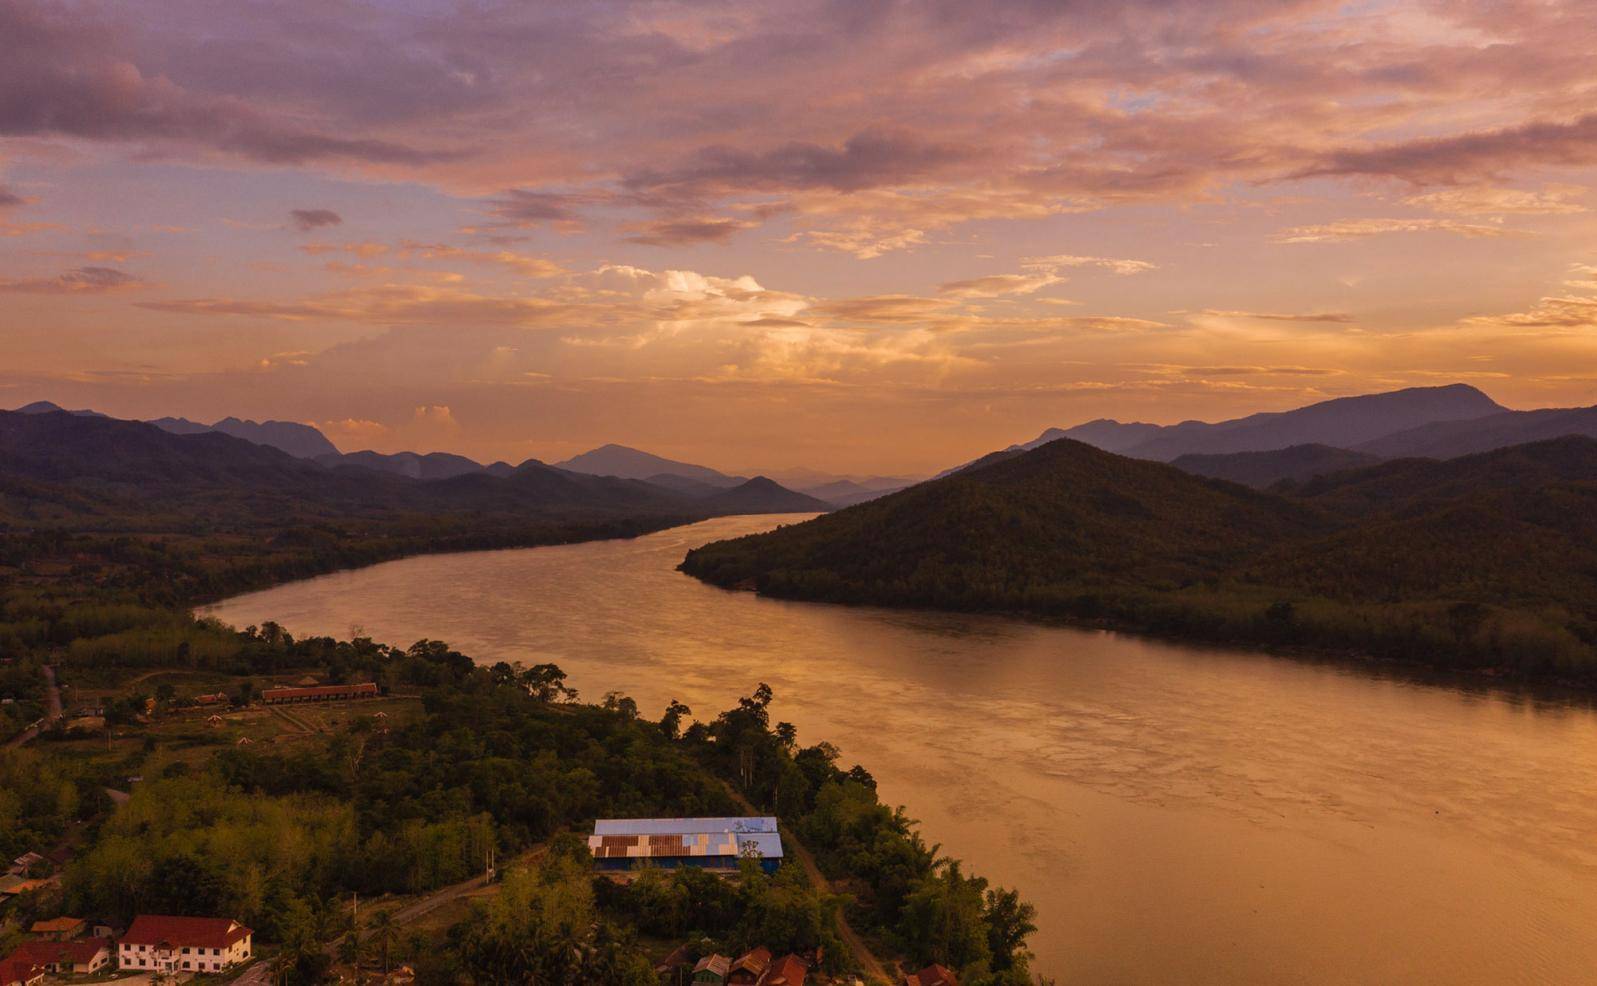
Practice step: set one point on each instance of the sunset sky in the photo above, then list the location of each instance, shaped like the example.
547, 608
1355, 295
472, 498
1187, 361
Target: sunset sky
857, 236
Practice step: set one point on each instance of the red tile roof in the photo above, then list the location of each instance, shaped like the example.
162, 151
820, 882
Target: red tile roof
78, 951
56, 925
932, 975
755, 960
15, 971
156, 929
789, 970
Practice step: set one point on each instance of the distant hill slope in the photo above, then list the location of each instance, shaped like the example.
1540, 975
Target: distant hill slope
1449, 439
630, 463
46, 407
847, 492
1345, 422
762, 496
1404, 485
432, 465
1104, 433
1262, 470
1512, 529
1065, 516
1484, 561
299, 440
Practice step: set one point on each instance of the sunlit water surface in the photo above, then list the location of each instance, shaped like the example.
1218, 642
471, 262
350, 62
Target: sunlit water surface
1177, 814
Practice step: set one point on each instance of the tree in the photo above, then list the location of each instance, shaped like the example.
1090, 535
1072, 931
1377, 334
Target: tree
944, 920
383, 932
1010, 921
546, 683
671, 722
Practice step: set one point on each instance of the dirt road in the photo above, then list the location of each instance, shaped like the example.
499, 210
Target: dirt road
873, 968
52, 697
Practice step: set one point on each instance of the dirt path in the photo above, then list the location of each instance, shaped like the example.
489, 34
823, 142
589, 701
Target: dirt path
874, 970
299, 724
52, 696
438, 898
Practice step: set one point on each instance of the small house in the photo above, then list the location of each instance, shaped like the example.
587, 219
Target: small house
58, 929
24, 864
932, 975
749, 968
20, 972
789, 970
711, 970
79, 957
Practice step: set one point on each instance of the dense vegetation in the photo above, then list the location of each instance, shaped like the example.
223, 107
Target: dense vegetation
1485, 562
503, 760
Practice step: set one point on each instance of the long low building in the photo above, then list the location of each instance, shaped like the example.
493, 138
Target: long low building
319, 693
709, 843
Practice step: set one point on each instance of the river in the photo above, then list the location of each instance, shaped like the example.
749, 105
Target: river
1177, 814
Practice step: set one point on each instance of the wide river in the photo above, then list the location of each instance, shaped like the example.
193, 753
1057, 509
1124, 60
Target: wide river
1177, 814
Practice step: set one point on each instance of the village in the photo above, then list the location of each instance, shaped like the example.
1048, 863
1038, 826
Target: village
174, 948
205, 948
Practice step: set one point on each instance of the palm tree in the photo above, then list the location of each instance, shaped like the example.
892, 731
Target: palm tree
383, 931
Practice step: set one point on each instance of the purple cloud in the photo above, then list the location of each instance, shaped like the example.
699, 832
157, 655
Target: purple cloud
306, 220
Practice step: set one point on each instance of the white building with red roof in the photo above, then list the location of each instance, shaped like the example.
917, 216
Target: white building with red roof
164, 943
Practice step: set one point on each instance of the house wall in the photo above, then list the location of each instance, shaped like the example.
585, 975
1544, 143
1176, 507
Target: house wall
729, 863
182, 958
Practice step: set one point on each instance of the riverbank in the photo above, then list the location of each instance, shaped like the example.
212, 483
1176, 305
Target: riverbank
1167, 807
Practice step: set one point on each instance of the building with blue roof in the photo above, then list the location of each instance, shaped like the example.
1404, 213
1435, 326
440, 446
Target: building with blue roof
708, 843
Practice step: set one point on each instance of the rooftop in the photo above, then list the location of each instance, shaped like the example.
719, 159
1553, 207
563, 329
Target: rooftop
157, 929
665, 837
56, 925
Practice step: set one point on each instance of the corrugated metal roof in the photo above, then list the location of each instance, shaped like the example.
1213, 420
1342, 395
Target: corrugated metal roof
682, 826
621, 838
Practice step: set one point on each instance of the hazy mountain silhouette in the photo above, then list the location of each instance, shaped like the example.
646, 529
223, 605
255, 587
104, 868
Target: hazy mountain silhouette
1448, 439
299, 440
847, 492
1261, 470
47, 407
134, 464
760, 496
432, 465
631, 463
1346, 422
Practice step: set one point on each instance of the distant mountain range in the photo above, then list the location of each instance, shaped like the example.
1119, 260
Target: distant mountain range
630, 463
300, 440
1261, 450
1484, 561
1346, 422
138, 466
712, 492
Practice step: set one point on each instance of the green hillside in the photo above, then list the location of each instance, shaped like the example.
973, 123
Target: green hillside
1489, 561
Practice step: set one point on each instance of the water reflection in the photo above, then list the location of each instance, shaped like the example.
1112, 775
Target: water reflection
1178, 814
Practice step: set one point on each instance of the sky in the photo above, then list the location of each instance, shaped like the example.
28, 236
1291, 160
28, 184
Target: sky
865, 237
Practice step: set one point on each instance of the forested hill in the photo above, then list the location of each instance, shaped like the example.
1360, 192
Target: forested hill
99, 506
1489, 561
